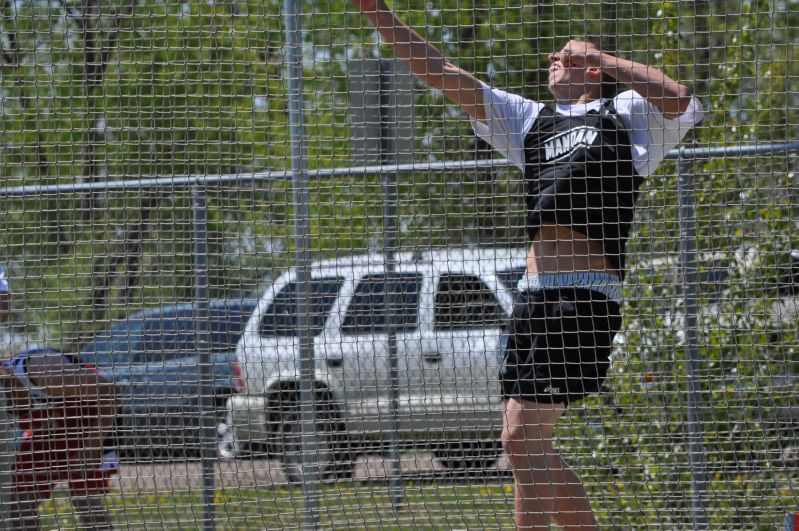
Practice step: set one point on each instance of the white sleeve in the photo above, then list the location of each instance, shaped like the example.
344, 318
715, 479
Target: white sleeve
652, 136
508, 119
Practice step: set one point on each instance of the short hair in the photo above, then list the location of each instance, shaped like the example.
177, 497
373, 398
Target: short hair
608, 86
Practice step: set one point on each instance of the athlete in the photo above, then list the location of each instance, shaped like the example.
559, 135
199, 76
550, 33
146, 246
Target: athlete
65, 412
583, 162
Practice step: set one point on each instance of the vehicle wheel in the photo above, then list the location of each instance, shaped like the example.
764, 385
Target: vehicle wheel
332, 448
468, 455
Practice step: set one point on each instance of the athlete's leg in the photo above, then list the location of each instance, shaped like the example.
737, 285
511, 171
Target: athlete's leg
572, 508
546, 488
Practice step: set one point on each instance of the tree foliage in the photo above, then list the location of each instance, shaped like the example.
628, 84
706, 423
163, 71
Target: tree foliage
109, 90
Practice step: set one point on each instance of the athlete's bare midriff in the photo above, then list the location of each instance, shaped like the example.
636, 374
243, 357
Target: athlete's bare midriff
558, 249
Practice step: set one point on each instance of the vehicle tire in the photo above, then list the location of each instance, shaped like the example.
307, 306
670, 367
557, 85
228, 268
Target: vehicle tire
285, 438
468, 455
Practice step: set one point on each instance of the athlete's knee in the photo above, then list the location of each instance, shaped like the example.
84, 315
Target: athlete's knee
525, 440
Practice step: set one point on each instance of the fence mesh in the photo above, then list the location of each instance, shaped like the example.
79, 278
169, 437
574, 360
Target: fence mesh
294, 261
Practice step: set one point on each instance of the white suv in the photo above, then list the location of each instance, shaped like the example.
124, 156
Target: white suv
444, 307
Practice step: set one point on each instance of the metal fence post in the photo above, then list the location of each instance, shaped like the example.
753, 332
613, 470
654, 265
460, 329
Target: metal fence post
689, 280
381, 92
299, 178
208, 446
389, 185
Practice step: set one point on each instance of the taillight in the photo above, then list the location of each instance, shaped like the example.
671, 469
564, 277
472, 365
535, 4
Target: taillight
238, 381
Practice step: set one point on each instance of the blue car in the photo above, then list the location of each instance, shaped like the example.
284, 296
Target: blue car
153, 357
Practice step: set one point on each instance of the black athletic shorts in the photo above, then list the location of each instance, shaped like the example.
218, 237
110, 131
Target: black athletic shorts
557, 344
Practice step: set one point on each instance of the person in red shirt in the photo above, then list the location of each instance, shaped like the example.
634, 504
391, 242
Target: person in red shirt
65, 412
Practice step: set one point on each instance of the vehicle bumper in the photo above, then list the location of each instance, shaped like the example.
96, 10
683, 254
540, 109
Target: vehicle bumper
246, 419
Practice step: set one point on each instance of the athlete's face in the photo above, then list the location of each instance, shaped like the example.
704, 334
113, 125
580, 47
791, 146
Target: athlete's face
570, 79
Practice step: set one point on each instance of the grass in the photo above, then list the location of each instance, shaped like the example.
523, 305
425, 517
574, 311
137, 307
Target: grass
757, 500
428, 506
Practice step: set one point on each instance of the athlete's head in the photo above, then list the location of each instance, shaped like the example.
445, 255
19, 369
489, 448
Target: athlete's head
572, 80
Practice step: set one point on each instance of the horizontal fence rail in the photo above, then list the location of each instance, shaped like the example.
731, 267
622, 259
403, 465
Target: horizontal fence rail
134, 183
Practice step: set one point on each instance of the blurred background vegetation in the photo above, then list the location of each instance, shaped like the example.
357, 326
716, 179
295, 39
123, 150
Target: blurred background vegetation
109, 90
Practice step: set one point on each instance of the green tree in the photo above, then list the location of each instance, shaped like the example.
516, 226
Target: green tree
101, 90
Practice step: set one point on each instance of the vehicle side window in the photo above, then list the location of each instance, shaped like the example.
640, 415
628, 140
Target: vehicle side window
280, 319
383, 300
167, 337
510, 278
464, 301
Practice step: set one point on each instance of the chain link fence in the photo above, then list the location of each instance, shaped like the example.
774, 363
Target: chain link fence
293, 261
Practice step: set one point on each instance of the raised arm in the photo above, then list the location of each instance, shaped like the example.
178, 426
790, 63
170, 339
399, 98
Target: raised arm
659, 89
671, 97
424, 59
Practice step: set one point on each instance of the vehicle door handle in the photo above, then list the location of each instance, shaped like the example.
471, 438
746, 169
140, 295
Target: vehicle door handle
430, 350
334, 363
431, 357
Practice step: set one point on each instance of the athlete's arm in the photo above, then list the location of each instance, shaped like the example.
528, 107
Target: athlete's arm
671, 97
425, 60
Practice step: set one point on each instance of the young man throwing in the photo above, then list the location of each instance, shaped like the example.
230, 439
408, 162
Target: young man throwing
583, 163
